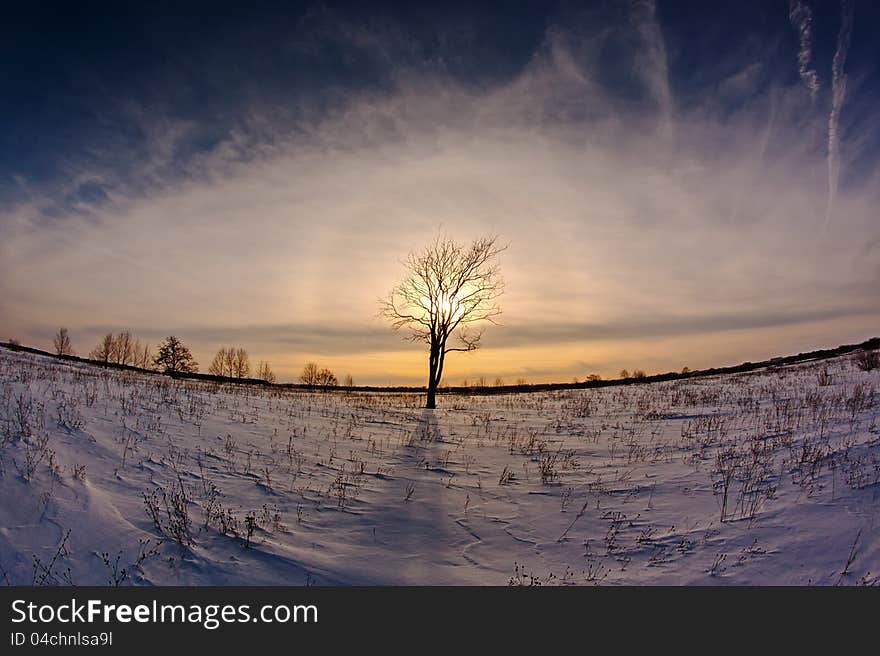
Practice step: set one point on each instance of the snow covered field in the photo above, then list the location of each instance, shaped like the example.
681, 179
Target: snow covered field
111, 477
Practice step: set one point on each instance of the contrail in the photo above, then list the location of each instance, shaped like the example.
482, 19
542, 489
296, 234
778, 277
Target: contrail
801, 16
838, 92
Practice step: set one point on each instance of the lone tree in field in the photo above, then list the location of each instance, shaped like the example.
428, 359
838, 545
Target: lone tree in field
447, 289
173, 357
61, 342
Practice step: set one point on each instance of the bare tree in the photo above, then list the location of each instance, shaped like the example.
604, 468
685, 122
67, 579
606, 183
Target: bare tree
348, 381
309, 375
174, 357
264, 372
241, 363
327, 378
218, 364
314, 375
231, 363
448, 289
123, 348
61, 342
104, 351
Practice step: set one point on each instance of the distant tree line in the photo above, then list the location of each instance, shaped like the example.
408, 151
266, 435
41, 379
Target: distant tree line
172, 356
234, 362
636, 373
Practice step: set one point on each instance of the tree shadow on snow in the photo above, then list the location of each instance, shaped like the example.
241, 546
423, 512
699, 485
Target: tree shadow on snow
413, 522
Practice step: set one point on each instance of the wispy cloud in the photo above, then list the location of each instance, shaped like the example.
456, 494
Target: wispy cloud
801, 17
838, 95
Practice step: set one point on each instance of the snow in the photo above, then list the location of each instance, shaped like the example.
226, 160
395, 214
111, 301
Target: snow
617, 485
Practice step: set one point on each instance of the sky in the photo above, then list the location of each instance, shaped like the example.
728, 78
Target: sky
679, 183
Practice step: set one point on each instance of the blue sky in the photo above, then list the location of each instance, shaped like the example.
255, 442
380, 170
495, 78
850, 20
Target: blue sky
251, 174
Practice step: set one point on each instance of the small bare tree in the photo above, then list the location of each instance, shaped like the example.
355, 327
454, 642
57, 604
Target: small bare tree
264, 372
105, 350
448, 290
309, 375
231, 363
241, 363
218, 364
314, 375
123, 348
327, 378
61, 342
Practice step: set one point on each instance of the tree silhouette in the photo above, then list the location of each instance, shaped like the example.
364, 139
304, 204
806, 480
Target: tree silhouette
231, 363
104, 351
447, 289
61, 342
218, 364
314, 375
327, 378
264, 372
173, 357
309, 374
123, 348
241, 363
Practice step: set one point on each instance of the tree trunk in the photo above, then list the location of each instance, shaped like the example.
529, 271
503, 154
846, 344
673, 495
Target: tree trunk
431, 401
